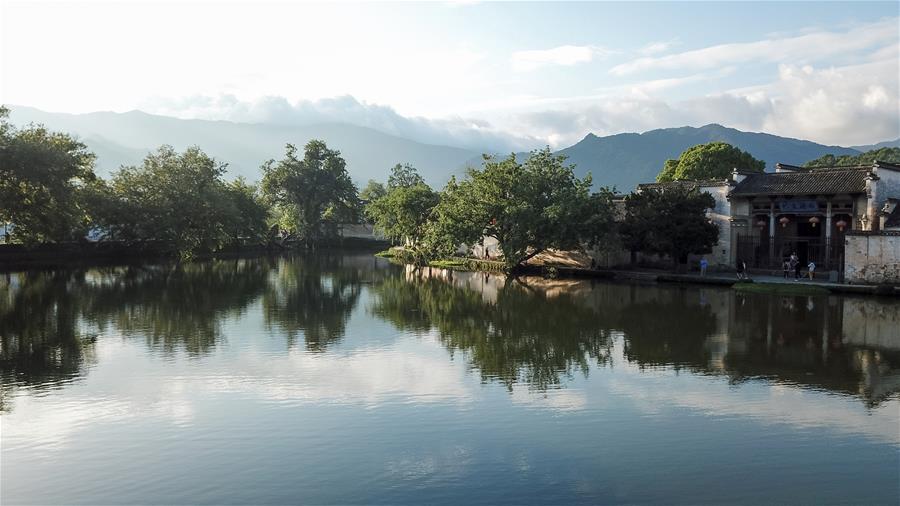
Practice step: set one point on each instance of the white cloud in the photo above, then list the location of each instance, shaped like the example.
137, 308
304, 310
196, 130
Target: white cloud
807, 47
471, 133
657, 47
856, 104
562, 55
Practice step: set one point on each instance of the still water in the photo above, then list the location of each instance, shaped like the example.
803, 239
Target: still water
345, 379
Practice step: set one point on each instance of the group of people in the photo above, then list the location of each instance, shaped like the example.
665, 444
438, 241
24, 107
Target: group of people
792, 264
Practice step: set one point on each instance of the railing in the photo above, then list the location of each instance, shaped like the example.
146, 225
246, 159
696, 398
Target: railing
763, 252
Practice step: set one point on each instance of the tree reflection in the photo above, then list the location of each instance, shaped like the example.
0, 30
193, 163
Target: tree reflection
521, 336
42, 338
49, 320
313, 297
667, 329
178, 306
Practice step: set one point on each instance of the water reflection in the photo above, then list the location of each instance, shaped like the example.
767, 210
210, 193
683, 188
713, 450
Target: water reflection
512, 332
537, 332
43, 340
532, 332
313, 298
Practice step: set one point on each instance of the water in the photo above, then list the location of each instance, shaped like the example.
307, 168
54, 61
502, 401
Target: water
344, 379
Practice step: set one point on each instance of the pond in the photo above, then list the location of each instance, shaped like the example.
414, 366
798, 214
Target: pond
347, 379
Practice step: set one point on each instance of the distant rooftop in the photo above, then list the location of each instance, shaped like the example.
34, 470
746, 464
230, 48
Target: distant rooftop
805, 182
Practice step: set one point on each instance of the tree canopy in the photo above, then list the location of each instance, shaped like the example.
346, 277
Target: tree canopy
891, 155
403, 175
714, 160
402, 212
310, 195
42, 175
181, 199
373, 191
528, 207
671, 221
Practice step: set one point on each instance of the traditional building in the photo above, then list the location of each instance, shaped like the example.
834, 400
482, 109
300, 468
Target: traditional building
763, 218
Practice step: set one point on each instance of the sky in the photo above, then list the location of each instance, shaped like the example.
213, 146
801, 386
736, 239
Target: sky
495, 75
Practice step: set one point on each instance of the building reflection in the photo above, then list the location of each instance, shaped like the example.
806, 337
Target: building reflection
531, 332
538, 331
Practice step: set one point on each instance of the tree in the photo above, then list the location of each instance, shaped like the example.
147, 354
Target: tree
373, 191
668, 171
310, 195
891, 155
715, 160
403, 212
246, 213
528, 207
403, 175
41, 176
671, 221
179, 199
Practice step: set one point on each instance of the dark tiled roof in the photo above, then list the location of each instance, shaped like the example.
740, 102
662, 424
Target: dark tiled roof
893, 219
685, 184
807, 182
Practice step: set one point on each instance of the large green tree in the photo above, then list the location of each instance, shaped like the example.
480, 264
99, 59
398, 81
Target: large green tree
181, 201
42, 175
891, 155
402, 212
671, 222
714, 160
403, 175
312, 194
528, 207
373, 191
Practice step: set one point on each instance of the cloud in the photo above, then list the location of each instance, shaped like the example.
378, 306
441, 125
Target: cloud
562, 55
657, 47
808, 47
471, 133
855, 104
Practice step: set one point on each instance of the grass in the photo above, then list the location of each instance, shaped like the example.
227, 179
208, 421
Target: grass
781, 288
388, 253
448, 264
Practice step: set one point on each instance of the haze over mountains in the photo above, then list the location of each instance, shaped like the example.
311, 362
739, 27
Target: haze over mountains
621, 160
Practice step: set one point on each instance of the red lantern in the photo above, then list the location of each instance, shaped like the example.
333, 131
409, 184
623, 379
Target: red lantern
784, 221
841, 225
761, 223
814, 221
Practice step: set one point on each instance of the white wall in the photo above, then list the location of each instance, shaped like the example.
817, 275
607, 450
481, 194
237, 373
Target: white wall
872, 258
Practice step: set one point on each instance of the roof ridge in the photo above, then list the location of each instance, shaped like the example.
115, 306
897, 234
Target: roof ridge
809, 170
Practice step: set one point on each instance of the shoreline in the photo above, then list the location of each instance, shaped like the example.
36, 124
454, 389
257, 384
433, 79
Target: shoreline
756, 284
16, 257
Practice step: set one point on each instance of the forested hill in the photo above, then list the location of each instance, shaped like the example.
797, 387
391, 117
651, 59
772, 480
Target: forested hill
621, 160
125, 138
624, 160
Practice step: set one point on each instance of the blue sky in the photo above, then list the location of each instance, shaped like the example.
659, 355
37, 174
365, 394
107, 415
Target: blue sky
500, 75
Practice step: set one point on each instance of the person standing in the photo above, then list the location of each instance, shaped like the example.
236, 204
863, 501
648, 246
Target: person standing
786, 267
740, 268
795, 265
703, 265
811, 269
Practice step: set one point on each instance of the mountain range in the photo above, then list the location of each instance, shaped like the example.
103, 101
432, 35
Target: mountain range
621, 160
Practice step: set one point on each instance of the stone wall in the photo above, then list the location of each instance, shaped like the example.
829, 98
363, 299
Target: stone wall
872, 258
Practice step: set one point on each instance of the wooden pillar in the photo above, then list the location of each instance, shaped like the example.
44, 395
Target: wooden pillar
828, 234
772, 234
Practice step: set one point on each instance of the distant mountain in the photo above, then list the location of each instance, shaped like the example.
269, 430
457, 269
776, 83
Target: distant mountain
621, 160
125, 138
886, 144
624, 160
